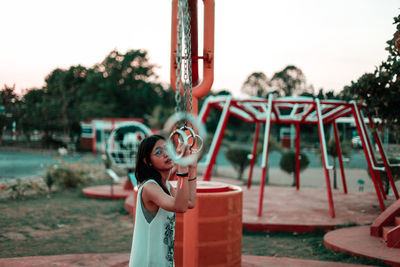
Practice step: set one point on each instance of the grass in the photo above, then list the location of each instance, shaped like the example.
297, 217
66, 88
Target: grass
69, 223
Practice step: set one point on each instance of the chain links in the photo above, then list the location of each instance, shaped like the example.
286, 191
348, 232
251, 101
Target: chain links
183, 22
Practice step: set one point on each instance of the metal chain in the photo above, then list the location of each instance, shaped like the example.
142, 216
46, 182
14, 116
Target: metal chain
188, 56
183, 22
178, 60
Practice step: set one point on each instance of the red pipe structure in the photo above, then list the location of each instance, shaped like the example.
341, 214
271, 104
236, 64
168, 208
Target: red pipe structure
304, 110
253, 154
369, 160
384, 158
339, 153
297, 156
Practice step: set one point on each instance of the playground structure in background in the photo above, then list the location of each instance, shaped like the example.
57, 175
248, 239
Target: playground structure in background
298, 110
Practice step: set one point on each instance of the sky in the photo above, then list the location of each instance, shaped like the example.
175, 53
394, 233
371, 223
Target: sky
332, 42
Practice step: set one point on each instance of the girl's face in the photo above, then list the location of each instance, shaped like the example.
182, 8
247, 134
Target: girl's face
159, 157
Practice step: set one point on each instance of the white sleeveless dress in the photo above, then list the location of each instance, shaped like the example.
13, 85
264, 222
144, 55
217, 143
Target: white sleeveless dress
153, 237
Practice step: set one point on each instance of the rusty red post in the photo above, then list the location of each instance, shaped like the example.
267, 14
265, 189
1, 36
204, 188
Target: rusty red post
254, 153
339, 153
369, 160
384, 159
297, 156
324, 159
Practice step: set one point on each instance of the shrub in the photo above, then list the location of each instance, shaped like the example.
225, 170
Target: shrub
238, 157
288, 163
65, 175
18, 188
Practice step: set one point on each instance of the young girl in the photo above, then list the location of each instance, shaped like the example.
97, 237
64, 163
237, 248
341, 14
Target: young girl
157, 202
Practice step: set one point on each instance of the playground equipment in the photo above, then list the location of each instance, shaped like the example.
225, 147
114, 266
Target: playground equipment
297, 110
122, 146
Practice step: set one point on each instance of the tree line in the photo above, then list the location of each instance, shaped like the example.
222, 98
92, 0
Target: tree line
122, 85
126, 85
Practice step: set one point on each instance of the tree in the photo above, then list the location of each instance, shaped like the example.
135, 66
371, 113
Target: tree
380, 90
257, 84
8, 108
61, 90
129, 81
288, 163
238, 157
289, 81
32, 117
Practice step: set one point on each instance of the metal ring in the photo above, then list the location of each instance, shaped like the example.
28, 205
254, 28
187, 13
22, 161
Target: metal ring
170, 146
199, 145
192, 135
197, 126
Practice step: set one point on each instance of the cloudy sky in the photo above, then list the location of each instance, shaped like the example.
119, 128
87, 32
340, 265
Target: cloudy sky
332, 42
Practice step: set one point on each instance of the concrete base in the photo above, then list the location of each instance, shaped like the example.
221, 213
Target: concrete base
358, 241
305, 210
122, 260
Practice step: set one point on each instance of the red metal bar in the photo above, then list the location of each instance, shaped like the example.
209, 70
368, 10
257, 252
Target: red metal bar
339, 152
371, 170
327, 179
310, 109
254, 153
384, 159
263, 178
329, 120
260, 200
371, 149
328, 117
297, 156
208, 171
379, 180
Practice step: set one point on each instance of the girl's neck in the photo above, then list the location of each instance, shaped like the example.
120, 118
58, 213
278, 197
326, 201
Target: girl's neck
164, 176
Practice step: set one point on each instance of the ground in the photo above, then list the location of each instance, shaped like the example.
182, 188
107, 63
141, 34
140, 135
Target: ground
69, 223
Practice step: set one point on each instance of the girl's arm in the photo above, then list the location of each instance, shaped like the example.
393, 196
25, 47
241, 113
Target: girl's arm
155, 197
192, 180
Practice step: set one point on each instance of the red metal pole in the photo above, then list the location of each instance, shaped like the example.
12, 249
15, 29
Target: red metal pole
260, 200
254, 153
207, 173
297, 156
263, 176
384, 159
327, 179
339, 152
371, 149
194, 41
371, 170
265, 153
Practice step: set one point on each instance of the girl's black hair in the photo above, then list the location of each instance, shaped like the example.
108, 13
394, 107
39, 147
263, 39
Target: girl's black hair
144, 171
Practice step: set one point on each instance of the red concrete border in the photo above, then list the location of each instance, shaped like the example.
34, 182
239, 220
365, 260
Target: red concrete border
122, 260
104, 191
357, 241
305, 210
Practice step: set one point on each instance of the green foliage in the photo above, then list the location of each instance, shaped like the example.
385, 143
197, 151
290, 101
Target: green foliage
256, 84
10, 111
122, 85
19, 188
238, 158
289, 81
380, 90
288, 163
65, 175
